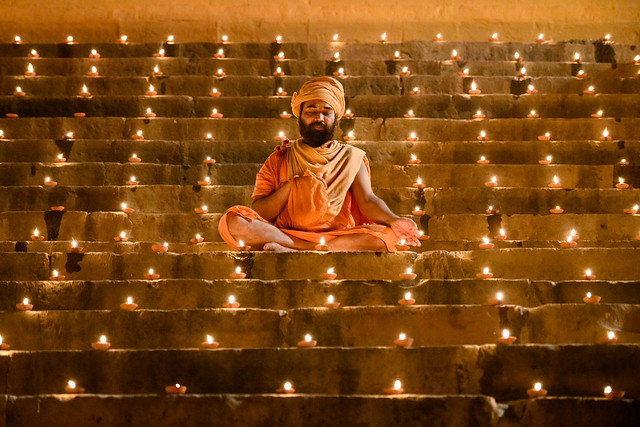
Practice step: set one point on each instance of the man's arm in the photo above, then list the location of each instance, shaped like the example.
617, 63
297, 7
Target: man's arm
269, 207
374, 208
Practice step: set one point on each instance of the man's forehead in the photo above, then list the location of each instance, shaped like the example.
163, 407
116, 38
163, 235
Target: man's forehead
317, 103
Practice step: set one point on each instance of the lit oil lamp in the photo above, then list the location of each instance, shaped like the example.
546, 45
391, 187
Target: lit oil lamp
101, 344
281, 92
591, 299
138, 135
201, 210
621, 184
502, 235
93, 72
569, 243
339, 72
94, 54
197, 239
383, 38
474, 89
409, 114
486, 244
73, 388
36, 235
285, 115
151, 275
214, 92
605, 135
224, 39
322, 246
30, 72
412, 137
438, 37
492, 183
403, 341
556, 210
204, 182
331, 302
69, 39
176, 389
612, 394
122, 237
402, 246
522, 72
278, 72
405, 71
506, 338
533, 115
349, 136
635, 60
536, 391
152, 91
573, 234
464, 72
407, 299
123, 39
219, 54
348, 114
517, 57
170, 39
545, 137
68, 136
590, 90
329, 275
540, 38
209, 343
49, 183
280, 137
75, 249
415, 91
610, 338
479, 115
633, 210
335, 57
286, 388
133, 181
482, 136
545, 161
623, 162
418, 184
215, 114
486, 274
24, 305
149, 114
17, 40
3, 345
33, 54
278, 39
588, 275
160, 248
308, 341
581, 74
597, 114
396, 389
606, 38
396, 56
238, 274
531, 89
414, 160
422, 236
490, 210
129, 305
85, 92
497, 300
408, 275
576, 58
209, 137
231, 301
417, 211
555, 183
494, 37
454, 55
19, 92
134, 158
242, 247
334, 38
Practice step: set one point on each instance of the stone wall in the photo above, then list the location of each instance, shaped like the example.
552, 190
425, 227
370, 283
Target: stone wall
310, 20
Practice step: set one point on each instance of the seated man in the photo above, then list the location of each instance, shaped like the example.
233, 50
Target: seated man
316, 187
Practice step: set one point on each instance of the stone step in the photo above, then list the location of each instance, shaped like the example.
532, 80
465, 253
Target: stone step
356, 326
387, 176
193, 152
264, 409
391, 129
372, 106
284, 294
418, 49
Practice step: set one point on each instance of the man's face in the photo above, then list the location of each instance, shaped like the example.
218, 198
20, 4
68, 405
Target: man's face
317, 122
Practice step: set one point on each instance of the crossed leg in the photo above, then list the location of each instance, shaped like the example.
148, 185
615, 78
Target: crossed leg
261, 235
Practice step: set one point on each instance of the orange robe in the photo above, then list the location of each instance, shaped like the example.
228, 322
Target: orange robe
315, 208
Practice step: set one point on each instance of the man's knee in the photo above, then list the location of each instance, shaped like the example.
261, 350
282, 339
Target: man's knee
236, 223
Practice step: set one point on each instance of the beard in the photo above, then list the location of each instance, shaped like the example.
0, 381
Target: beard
315, 136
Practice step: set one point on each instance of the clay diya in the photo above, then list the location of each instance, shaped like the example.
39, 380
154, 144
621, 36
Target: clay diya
502, 235
588, 275
4, 346
486, 244
612, 394
176, 389
396, 389
621, 184
307, 342
101, 344
507, 338
349, 136
209, 343
242, 247
611, 338
331, 303
56, 276
71, 387
24, 305
36, 235
129, 305
209, 161
122, 237
322, 246
591, 299
407, 299
160, 248
403, 341
151, 275
286, 388
536, 391
482, 161
197, 239
485, 274
329, 275
401, 246
238, 274
408, 274
231, 302
569, 243
497, 300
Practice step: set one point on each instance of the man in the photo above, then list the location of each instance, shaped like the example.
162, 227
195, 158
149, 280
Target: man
316, 187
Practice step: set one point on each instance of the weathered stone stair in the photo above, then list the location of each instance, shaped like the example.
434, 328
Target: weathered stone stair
455, 373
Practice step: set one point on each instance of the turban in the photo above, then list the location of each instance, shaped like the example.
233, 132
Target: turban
327, 89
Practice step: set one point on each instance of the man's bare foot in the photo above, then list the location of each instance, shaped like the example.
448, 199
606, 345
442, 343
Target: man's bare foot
276, 247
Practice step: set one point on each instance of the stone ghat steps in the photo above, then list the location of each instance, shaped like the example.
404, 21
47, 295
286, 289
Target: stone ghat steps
391, 129
386, 176
511, 263
463, 230
109, 67
576, 370
194, 152
284, 294
201, 85
272, 409
359, 326
218, 198
589, 50
494, 106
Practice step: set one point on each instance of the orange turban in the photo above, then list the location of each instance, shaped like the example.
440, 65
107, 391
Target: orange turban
327, 89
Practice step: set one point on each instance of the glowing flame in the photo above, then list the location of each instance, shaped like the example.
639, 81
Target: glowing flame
330, 270
605, 132
397, 385
30, 68
170, 39
129, 300
611, 335
454, 53
587, 272
232, 299
151, 271
55, 273
307, 338
241, 243
397, 54
407, 296
209, 339
608, 390
336, 56
402, 337
402, 242
537, 386
540, 36
485, 270
485, 240
494, 179
473, 85
71, 384
620, 180
483, 134
287, 386
555, 179
103, 339
330, 299
499, 296
238, 270
84, 89
505, 333
516, 56
533, 112
123, 235
502, 232
383, 37
576, 56
334, 38
151, 88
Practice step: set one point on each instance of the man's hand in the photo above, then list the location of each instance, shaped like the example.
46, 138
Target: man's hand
406, 229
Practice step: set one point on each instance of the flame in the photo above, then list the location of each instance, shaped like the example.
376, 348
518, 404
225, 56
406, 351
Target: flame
330, 299
287, 386
537, 386
238, 270
383, 37
129, 300
485, 270
232, 299
605, 132
330, 270
407, 296
209, 339
608, 390
151, 271
505, 333
397, 385
473, 85
588, 294
307, 338
103, 339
